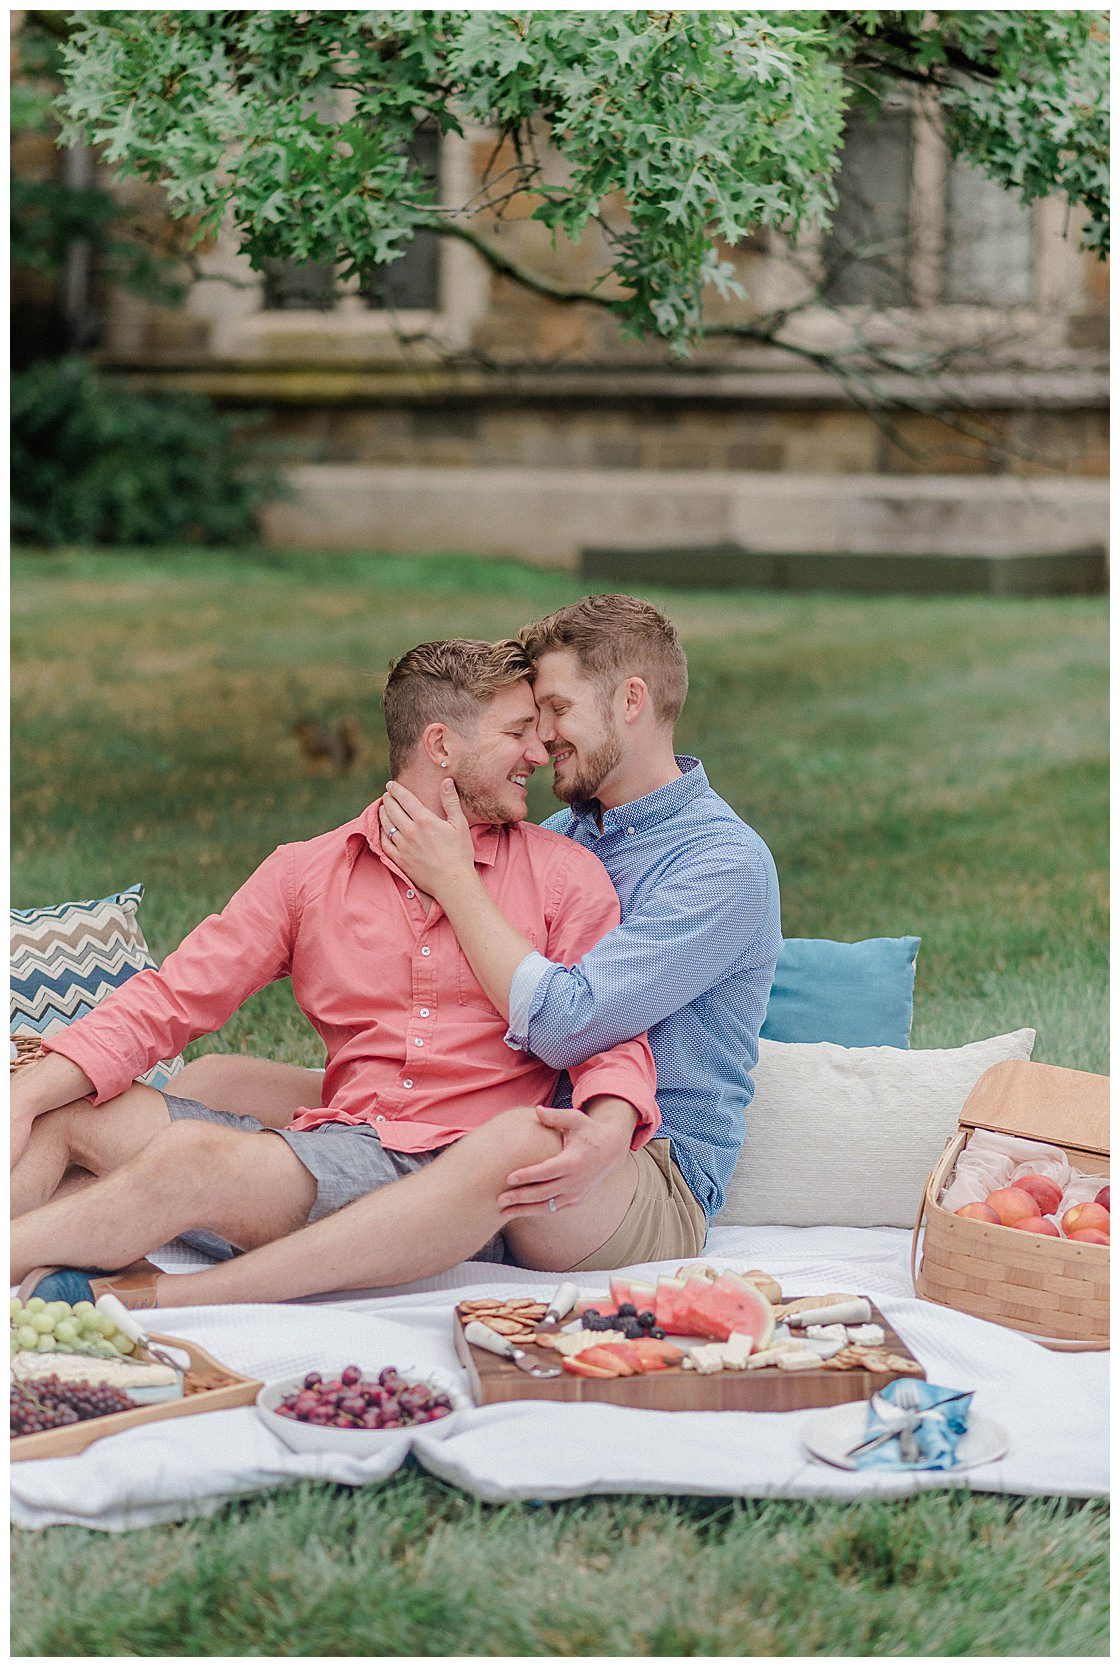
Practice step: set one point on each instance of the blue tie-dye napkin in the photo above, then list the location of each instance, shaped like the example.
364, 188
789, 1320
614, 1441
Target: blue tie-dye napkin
937, 1435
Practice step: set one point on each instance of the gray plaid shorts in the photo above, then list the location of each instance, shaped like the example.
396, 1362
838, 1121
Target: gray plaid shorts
345, 1161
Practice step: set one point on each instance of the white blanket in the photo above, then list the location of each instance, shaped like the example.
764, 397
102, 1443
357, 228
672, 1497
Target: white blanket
1054, 1406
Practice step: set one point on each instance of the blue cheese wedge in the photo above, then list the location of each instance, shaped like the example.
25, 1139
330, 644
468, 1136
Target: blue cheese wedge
143, 1381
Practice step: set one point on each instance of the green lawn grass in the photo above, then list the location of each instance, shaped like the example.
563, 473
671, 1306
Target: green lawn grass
935, 766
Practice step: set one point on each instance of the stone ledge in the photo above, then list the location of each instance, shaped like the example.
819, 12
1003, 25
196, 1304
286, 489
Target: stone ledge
288, 381
729, 566
550, 516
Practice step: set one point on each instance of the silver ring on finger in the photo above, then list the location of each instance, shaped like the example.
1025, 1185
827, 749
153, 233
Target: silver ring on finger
392, 832
552, 1206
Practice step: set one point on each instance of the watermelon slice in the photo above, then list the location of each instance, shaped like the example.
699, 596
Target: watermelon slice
642, 1295
730, 1304
620, 1292
695, 1316
667, 1304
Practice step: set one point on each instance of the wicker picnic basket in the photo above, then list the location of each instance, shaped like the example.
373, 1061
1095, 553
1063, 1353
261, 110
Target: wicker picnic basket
1055, 1289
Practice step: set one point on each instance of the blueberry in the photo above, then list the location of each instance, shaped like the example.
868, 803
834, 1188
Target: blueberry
589, 1312
626, 1310
647, 1318
657, 1331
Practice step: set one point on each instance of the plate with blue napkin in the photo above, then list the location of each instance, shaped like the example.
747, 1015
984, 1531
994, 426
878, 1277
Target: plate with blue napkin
933, 1429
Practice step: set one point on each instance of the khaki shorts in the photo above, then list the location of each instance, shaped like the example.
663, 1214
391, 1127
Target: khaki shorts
665, 1220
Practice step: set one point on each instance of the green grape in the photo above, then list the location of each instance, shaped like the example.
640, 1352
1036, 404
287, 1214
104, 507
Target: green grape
100, 1323
28, 1337
57, 1311
42, 1323
35, 1305
119, 1342
13, 1345
66, 1331
16, 1308
84, 1309
46, 1343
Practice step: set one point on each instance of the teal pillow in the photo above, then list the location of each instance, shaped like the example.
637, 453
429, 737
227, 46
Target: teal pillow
859, 995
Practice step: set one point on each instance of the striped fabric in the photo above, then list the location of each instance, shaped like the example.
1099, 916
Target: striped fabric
67, 958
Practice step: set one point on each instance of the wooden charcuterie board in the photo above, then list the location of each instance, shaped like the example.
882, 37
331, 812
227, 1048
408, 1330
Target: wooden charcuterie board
767, 1389
208, 1387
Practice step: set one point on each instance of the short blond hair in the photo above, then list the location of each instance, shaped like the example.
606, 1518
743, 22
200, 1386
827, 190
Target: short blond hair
613, 637
446, 683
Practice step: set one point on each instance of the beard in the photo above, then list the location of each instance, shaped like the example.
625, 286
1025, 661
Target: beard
592, 770
483, 799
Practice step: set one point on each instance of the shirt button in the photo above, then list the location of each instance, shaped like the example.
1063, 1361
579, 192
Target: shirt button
410, 892
407, 1083
379, 1118
424, 1012
631, 830
419, 1040
425, 950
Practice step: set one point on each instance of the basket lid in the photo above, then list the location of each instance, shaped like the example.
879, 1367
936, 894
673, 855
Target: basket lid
1041, 1102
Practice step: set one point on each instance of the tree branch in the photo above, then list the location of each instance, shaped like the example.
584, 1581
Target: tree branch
519, 273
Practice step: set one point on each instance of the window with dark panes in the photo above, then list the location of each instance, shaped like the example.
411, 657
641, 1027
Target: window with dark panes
867, 250
295, 286
410, 283
989, 242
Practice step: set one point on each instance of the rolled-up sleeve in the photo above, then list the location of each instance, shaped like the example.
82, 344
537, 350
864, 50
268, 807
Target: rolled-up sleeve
582, 909
676, 942
225, 960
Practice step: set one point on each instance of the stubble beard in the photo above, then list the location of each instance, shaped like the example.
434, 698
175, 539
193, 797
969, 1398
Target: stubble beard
593, 771
481, 802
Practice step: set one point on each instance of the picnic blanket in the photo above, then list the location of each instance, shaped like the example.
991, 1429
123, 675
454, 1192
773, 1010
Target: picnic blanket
1053, 1405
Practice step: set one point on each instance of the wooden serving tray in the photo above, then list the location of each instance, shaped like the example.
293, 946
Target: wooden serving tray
767, 1389
208, 1387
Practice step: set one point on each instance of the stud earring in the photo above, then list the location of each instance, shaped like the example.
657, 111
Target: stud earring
443, 764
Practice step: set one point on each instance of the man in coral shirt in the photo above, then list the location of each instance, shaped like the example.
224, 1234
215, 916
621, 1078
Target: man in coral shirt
424, 1103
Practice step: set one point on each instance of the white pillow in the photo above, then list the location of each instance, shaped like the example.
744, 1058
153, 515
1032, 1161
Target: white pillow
846, 1137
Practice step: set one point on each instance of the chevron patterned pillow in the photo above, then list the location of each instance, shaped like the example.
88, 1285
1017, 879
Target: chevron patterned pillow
67, 958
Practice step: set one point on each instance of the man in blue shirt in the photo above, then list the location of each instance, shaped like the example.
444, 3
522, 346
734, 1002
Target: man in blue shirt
693, 958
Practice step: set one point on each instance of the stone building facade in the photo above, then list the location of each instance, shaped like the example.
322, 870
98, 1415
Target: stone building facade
442, 405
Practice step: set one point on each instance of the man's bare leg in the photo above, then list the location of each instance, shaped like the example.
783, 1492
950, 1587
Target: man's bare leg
193, 1174
262, 1088
414, 1227
97, 1139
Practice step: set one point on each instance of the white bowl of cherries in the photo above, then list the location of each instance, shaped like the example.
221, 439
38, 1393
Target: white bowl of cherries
350, 1411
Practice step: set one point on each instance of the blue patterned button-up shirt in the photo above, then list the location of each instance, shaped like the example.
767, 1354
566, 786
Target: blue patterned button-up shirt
691, 963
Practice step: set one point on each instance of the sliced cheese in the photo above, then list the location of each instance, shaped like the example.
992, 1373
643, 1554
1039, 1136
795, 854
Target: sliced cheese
708, 1358
831, 1333
575, 1342
800, 1361
737, 1350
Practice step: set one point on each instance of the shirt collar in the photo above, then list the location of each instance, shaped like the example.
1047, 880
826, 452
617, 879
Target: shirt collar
366, 830
652, 808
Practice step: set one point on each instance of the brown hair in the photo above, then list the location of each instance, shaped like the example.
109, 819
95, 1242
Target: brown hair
613, 637
446, 682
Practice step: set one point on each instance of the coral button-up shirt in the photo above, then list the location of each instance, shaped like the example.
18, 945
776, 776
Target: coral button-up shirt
414, 1045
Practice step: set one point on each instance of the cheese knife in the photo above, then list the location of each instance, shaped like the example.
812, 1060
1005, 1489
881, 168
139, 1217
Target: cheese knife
115, 1310
567, 1295
480, 1334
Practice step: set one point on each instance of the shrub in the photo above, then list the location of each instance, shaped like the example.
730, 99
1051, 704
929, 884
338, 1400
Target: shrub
94, 462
